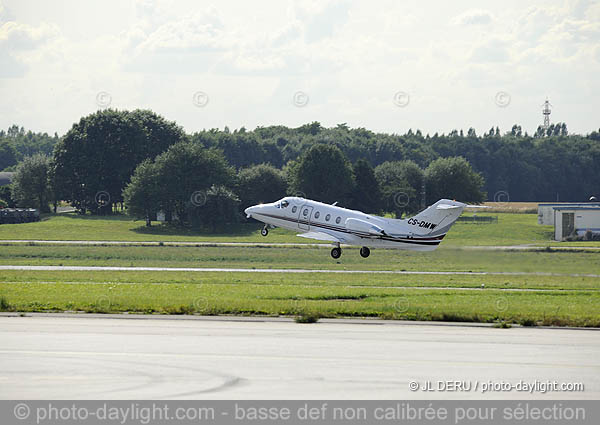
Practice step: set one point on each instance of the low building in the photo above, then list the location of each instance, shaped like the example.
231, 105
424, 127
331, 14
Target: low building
574, 220
546, 210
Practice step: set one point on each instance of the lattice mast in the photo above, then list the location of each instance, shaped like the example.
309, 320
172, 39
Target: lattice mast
546, 112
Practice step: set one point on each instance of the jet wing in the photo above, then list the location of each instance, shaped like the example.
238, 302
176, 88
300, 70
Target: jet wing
321, 236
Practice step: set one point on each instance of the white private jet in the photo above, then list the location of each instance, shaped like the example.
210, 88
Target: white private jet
324, 222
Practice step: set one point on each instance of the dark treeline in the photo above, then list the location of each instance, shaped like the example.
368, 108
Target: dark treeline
16, 144
91, 165
548, 166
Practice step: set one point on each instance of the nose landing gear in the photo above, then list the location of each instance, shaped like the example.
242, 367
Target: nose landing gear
264, 231
364, 252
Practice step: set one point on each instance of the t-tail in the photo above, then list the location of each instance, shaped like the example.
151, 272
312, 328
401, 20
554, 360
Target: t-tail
437, 219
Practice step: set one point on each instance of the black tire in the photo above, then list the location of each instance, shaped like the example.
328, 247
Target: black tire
336, 253
264, 231
365, 252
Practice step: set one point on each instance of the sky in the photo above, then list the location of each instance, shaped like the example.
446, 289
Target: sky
388, 66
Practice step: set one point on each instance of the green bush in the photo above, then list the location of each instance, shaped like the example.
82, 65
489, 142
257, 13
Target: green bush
4, 304
307, 318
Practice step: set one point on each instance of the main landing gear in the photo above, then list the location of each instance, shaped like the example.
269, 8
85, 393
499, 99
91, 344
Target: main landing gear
336, 252
264, 231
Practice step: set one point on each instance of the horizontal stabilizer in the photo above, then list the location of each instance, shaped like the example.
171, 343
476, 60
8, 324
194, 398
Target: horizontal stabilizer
447, 207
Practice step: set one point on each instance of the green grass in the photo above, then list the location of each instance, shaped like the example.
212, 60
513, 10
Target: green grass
324, 280
73, 226
555, 307
562, 299
303, 257
511, 229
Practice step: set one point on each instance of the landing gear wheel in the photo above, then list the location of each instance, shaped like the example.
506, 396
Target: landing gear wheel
264, 231
336, 253
364, 252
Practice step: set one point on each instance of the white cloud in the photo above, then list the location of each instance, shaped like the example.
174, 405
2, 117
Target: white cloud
19, 36
321, 18
492, 50
474, 17
18, 44
350, 57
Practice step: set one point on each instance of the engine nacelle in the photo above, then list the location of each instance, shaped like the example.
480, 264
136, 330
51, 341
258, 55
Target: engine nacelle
363, 226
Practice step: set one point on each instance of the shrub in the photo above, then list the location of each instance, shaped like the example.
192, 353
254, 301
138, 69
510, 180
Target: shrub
307, 318
4, 304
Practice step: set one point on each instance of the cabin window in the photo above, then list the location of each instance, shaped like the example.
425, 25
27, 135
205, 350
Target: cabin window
317, 214
294, 209
337, 220
327, 217
305, 212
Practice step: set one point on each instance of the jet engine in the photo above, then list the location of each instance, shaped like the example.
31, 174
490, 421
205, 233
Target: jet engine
364, 226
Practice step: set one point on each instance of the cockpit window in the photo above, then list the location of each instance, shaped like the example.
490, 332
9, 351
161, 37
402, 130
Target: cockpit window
284, 204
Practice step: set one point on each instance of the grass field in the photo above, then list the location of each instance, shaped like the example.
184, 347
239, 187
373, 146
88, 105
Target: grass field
554, 292
511, 207
511, 229
303, 258
384, 296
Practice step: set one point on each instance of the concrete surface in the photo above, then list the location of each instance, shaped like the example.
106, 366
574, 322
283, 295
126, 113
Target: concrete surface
145, 357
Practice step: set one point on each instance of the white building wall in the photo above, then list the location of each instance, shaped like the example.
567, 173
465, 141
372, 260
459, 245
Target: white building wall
587, 220
546, 210
584, 219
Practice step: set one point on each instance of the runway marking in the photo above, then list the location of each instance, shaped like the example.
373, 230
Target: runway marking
243, 270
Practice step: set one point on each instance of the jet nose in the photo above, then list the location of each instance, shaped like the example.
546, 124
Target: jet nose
249, 211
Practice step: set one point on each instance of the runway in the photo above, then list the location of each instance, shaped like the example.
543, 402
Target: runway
253, 270
144, 357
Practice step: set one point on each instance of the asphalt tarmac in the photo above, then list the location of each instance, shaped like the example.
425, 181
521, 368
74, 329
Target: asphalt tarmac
58, 356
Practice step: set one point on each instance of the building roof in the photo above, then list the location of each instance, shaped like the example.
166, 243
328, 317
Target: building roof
596, 208
6, 177
566, 204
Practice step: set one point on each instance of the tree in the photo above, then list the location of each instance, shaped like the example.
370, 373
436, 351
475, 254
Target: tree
177, 180
8, 154
455, 179
366, 195
142, 194
322, 173
400, 183
6, 196
30, 186
98, 155
219, 209
27, 143
260, 184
